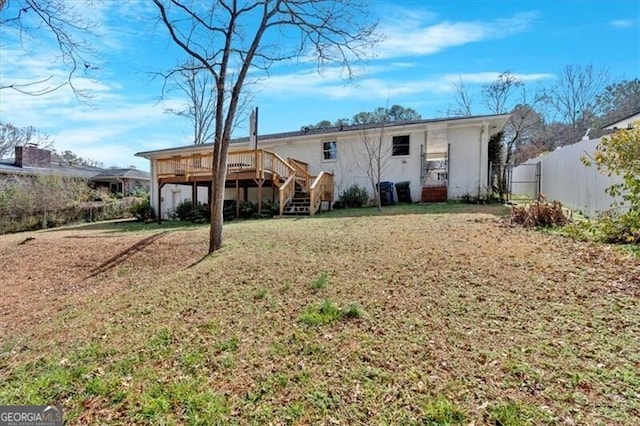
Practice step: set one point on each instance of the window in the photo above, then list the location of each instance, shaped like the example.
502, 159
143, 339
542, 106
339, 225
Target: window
329, 150
400, 145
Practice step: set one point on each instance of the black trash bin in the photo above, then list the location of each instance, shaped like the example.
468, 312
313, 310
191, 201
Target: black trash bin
386, 193
404, 193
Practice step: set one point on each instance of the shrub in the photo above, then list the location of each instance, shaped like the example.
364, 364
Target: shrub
354, 196
202, 214
618, 154
619, 228
183, 210
248, 209
539, 214
142, 210
229, 210
270, 209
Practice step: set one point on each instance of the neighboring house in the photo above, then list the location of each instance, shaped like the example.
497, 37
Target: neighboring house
125, 181
440, 159
33, 161
623, 123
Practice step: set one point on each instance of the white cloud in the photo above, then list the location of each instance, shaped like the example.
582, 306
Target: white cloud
411, 37
330, 85
622, 23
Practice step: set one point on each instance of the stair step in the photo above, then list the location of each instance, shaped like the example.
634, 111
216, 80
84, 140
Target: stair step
296, 210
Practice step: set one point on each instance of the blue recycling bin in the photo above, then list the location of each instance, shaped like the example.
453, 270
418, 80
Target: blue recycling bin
385, 189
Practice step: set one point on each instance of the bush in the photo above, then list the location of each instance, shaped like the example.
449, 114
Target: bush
183, 210
618, 154
539, 214
248, 209
620, 228
354, 196
202, 214
142, 210
229, 210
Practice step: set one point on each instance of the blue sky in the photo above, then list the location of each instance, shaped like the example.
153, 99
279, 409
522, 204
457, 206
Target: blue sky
428, 45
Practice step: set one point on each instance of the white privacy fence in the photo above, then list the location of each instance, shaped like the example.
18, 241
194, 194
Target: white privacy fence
564, 178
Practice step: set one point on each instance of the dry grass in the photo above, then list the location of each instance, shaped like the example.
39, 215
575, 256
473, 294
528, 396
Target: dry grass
432, 319
539, 213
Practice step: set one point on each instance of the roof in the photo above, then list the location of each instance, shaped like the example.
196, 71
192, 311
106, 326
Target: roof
123, 173
613, 123
7, 166
305, 131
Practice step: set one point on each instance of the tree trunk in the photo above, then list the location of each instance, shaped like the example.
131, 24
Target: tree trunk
217, 204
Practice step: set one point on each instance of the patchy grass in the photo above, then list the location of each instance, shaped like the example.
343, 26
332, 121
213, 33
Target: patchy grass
452, 207
439, 319
320, 282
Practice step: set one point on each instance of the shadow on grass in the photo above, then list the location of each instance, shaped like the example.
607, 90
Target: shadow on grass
495, 209
131, 226
123, 255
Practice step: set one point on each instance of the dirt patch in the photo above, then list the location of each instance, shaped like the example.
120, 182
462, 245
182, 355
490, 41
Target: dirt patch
45, 272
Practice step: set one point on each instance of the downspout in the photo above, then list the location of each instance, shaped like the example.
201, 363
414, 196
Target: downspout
484, 158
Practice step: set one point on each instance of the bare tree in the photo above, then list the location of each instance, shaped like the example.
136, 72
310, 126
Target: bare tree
227, 38
372, 155
497, 96
12, 136
574, 94
509, 93
462, 100
198, 86
56, 19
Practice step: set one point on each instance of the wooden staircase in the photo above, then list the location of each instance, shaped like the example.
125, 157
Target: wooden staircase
299, 205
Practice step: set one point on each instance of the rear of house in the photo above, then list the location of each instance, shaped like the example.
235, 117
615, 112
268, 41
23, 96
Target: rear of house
434, 160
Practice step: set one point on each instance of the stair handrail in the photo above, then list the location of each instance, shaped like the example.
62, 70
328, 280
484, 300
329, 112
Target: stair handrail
278, 165
321, 188
301, 171
286, 191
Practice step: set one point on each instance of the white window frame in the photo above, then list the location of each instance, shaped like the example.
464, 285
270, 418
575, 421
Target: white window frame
393, 154
329, 150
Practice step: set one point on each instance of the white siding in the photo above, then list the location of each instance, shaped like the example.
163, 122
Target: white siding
465, 171
348, 169
467, 140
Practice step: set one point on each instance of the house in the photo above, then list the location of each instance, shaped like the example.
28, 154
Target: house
304, 171
124, 181
623, 123
33, 161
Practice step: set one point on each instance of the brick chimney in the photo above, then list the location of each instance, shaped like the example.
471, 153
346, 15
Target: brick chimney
31, 156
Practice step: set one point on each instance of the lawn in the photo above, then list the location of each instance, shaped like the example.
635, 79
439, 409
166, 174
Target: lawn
421, 315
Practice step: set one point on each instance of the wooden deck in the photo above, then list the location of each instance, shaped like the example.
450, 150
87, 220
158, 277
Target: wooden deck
250, 168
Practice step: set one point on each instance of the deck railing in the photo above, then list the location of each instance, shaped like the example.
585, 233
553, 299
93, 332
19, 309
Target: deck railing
321, 189
252, 160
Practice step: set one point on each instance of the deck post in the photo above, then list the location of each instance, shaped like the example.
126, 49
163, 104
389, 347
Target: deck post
237, 199
259, 182
194, 195
159, 212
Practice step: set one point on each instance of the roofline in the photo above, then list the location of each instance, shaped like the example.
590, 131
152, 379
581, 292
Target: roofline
324, 131
620, 119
